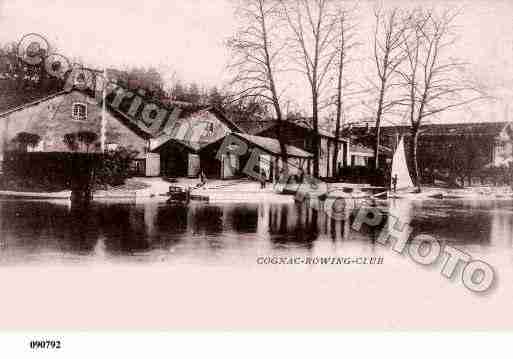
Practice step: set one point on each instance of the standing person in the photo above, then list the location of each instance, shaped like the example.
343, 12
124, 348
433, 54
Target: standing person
263, 178
394, 183
202, 178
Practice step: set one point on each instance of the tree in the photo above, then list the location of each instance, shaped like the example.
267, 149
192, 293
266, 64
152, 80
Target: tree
431, 80
389, 35
194, 93
257, 50
115, 167
75, 139
20, 82
26, 140
346, 43
147, 80
87, 138
216, 98
70, 139
314, 32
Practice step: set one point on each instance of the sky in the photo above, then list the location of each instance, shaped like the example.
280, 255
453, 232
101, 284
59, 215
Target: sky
185, 38
182, 36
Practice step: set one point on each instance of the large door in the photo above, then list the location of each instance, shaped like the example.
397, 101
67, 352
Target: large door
211, 166
173, 161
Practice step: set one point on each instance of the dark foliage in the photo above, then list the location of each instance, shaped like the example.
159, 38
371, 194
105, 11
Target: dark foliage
362, 174
70, 139
25, 139
55, 171
47, 171
84, 138
115, 167
20, 82
87, 138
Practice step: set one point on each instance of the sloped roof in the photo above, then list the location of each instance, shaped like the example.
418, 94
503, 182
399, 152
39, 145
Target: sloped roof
488, 129
257, 127
122, 117
186, 110
272, 146
194, 147
31, 103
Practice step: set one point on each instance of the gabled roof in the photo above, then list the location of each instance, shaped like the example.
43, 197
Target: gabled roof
272, 146
194, 147
123, 118
262, 126
223, 117
255, 126
186, 110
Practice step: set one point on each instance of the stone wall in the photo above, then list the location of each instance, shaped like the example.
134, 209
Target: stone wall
52, 119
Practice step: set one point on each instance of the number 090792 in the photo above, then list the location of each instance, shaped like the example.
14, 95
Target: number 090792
45, 344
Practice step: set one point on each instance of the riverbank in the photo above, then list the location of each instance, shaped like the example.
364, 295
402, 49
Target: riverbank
247, 191
129, 190
237, 190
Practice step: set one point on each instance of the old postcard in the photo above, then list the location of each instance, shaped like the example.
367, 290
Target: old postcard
256, 165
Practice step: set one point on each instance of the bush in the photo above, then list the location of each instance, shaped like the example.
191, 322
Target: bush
363, 174
502, 175
49, 171
25, 140
115, 167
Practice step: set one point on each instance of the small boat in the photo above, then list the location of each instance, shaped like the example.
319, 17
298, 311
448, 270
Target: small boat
35, 195
180, 195
195, 197
177, 194
400, 174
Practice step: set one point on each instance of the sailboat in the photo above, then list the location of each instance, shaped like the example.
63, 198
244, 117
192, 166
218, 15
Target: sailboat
400, 172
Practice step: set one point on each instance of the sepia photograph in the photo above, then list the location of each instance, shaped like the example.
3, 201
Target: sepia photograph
255, 165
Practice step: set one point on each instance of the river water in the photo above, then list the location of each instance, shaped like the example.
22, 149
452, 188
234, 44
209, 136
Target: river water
205, 260
225, 234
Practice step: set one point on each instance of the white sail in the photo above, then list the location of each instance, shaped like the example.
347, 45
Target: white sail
400, 168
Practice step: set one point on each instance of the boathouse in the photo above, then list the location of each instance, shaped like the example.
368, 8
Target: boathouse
299, 134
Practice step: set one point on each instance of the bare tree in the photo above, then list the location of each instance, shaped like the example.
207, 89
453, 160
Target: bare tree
389, 35
314, 32
256, 49
432, 81
346, 43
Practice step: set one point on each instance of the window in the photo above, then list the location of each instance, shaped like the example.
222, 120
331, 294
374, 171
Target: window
79, 112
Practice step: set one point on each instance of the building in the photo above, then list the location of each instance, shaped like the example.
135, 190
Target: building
455, 150
55, 116
300, 135
185, 143
361, 156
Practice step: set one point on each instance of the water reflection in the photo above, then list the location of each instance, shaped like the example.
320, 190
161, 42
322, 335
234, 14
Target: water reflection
38, 229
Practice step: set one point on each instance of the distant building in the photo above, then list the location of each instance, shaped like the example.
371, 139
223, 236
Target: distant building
361, 155
458, 149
